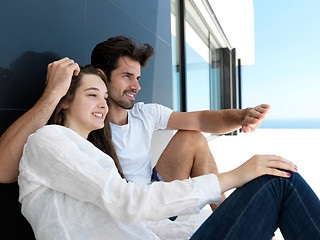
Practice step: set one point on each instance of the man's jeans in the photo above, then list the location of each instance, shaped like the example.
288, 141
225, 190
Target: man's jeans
257, 209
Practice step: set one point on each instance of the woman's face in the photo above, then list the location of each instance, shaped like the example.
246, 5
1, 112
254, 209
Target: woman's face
87, 111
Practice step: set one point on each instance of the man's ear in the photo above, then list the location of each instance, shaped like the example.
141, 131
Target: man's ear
102, 72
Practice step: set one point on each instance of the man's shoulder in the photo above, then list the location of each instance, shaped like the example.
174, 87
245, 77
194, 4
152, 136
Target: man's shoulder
141, 106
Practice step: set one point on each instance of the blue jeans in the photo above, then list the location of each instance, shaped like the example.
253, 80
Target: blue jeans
257, 209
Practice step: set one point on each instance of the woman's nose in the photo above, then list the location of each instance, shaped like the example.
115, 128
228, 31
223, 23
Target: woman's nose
103, 103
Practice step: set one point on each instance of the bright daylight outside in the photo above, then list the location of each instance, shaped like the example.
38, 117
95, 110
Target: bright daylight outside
283, 71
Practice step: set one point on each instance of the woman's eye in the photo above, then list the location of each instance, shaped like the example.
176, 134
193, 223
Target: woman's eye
92, 95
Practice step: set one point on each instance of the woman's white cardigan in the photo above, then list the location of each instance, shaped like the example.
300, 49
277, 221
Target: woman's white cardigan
69, 189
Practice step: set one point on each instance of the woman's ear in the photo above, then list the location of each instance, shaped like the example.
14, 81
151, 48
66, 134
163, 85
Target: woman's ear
65, 106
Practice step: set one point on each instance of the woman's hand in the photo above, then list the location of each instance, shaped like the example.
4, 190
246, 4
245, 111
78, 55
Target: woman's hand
255, 167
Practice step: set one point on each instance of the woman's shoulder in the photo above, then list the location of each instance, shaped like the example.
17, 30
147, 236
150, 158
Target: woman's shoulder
53, 132
51, 128
48, 130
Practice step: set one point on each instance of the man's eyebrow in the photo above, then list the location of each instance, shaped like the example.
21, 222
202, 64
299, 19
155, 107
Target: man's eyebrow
130, 74
127, 73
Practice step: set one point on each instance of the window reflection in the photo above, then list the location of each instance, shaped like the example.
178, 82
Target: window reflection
203, 84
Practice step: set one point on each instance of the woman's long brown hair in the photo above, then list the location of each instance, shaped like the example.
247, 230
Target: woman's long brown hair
101, 138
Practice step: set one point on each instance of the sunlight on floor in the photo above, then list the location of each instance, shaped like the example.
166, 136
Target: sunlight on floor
300, 146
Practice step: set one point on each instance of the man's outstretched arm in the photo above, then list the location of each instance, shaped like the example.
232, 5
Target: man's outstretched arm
220, 121
12, 141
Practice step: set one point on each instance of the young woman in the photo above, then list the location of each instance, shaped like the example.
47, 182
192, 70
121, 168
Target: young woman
72, 186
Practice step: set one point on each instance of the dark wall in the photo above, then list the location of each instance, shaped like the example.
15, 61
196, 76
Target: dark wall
35, 33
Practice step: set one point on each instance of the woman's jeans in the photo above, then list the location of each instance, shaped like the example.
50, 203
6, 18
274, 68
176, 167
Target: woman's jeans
257, 209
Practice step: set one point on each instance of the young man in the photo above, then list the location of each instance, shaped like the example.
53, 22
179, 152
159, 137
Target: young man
187, 154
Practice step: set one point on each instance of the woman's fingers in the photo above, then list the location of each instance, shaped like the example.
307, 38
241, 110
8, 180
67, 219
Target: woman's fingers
281, 163
277, 172
269, 165
255, 167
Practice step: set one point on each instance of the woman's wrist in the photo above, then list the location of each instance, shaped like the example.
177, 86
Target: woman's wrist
227, 180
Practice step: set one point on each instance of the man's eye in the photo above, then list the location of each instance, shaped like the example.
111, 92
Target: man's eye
92, 95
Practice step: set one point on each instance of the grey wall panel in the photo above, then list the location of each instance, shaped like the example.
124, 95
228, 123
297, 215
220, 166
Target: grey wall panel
145, 21
35, 33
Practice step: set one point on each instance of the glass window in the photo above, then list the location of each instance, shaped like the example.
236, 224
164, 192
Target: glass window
215, 76
202, 61
197, 72
175, 56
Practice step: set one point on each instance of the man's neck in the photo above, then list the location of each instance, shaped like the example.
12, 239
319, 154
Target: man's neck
117, 115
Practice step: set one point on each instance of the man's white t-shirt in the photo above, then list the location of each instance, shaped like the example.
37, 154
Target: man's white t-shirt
133, 140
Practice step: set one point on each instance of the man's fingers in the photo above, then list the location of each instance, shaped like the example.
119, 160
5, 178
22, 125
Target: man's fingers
65, 63
263, 109
250, 120
76, 70
251, 126
64, 68
68, 62
62, 60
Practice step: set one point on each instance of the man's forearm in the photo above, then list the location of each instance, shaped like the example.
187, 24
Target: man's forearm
12, 141
219, 121
14, 138
222, 121
225, 121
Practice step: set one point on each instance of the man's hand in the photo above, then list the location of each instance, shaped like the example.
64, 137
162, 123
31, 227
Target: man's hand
59, 76
13, 139
254, 117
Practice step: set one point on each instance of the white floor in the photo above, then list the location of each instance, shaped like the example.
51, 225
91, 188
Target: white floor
297, 145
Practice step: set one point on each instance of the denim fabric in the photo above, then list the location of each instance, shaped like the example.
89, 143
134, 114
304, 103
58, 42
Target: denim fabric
257, 209
155, 177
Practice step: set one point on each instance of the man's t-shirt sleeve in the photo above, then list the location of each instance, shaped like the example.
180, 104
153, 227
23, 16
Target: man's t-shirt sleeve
157, 114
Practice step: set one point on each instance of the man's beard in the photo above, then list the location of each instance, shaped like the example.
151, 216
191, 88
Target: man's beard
122, 104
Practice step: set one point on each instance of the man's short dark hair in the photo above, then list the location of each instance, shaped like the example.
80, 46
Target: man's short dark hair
106, 54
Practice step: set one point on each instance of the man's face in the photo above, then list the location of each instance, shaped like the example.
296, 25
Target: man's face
124, 83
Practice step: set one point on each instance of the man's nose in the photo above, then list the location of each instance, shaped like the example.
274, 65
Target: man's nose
135, 85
